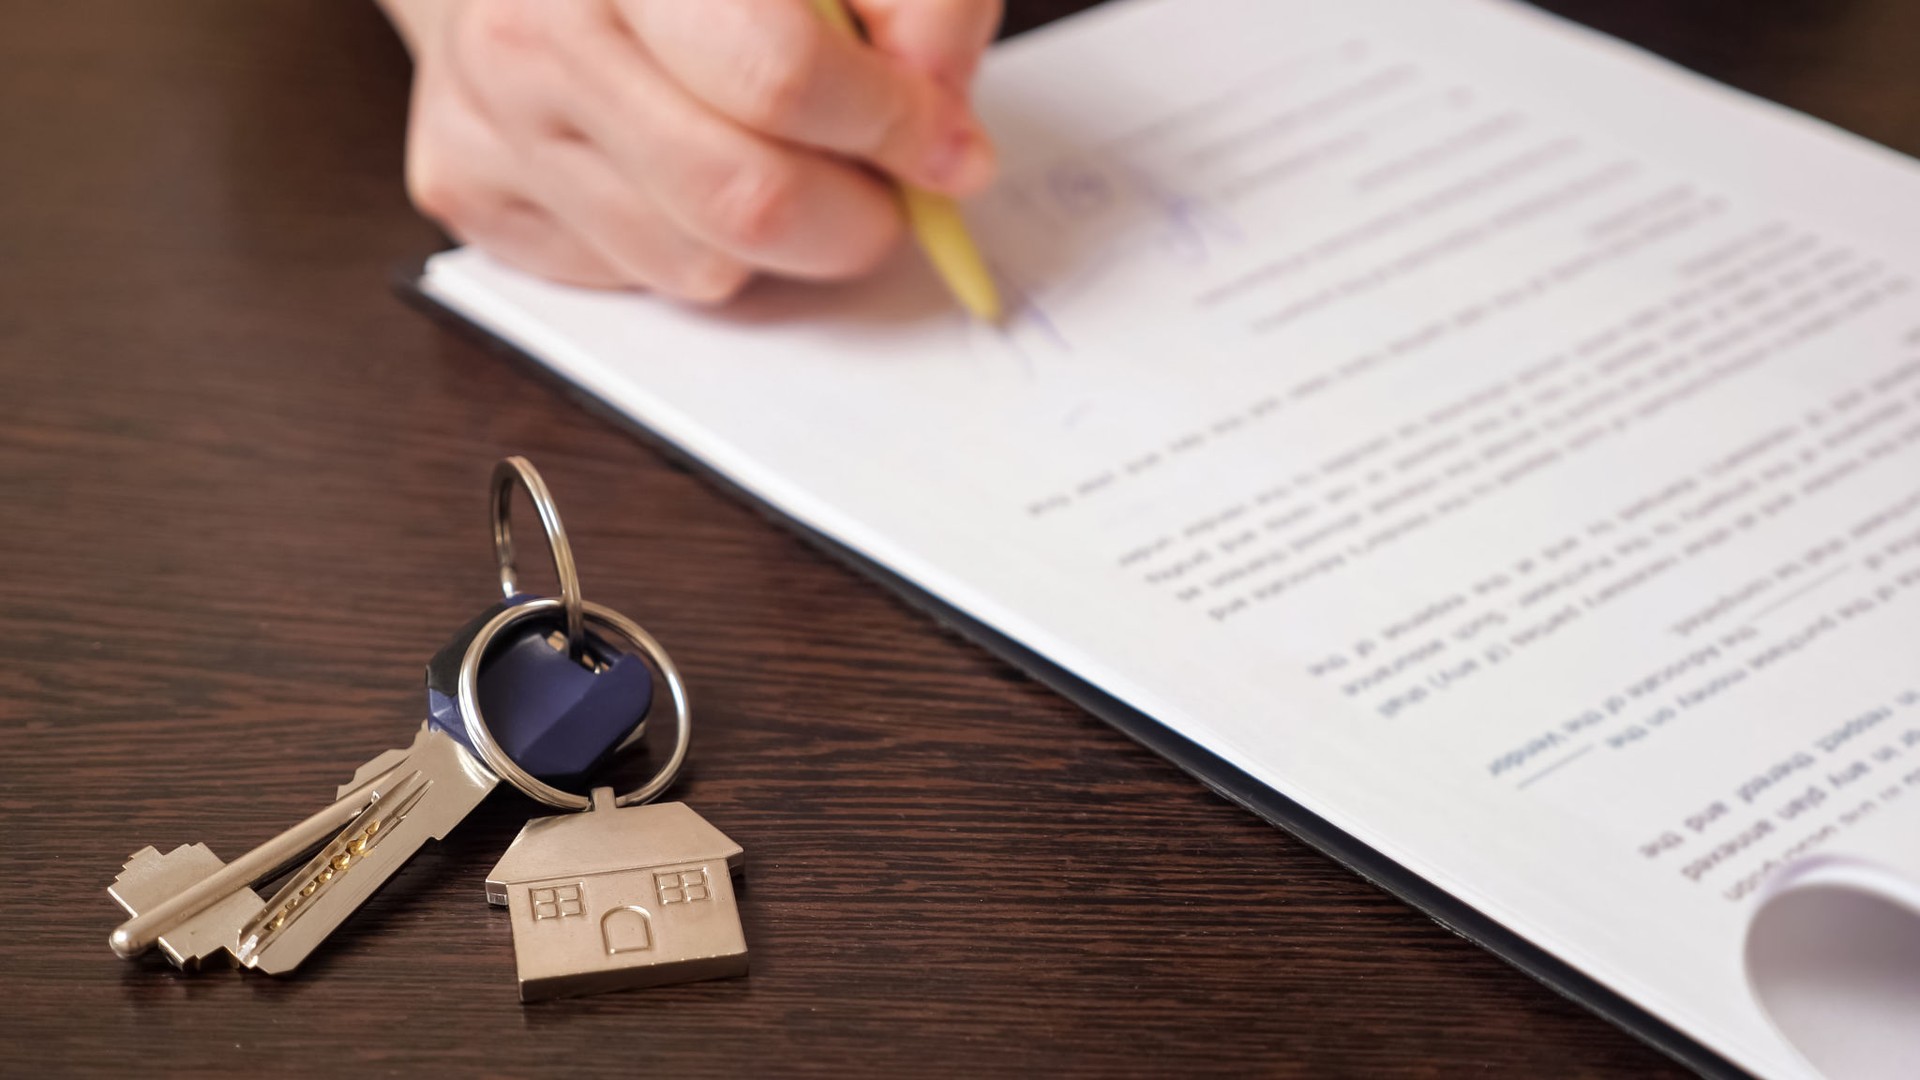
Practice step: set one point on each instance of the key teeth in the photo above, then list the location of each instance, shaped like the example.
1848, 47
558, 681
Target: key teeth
149, 877
136, 861
148, 862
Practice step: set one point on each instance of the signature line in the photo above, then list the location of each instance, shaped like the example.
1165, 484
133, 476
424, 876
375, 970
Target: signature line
1801, 591
1577, 753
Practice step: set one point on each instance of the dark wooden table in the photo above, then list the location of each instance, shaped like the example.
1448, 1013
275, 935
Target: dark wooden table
243, 490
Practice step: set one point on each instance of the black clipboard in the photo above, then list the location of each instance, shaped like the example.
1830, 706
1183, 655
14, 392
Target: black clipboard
1201, 764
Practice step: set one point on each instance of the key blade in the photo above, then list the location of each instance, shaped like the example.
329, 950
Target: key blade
150, 879
372, 827
139, 933
443, 786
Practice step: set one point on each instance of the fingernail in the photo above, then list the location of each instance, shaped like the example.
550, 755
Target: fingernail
962, 162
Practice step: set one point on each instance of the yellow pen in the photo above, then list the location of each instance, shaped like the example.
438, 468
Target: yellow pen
936, 219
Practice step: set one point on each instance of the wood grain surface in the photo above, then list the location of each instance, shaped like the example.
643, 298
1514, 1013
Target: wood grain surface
244, 498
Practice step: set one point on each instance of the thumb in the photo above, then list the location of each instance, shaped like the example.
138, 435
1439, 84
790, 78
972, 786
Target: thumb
943, 38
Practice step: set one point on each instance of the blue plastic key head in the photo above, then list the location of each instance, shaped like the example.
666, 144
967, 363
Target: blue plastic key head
553, 714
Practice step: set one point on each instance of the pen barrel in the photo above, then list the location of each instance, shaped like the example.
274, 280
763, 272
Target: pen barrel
935, 219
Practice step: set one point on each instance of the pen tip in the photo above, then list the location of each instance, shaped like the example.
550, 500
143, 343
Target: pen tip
984, 306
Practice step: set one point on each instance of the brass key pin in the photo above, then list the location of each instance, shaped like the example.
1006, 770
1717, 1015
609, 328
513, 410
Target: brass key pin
139, 933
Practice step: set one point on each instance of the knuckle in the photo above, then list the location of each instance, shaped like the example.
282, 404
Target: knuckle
461, 207
502, 28
436, 193
775, 82
753, 207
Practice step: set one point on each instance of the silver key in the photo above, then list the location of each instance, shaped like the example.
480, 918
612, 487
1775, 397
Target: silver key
149, 879
441, 784
197, 908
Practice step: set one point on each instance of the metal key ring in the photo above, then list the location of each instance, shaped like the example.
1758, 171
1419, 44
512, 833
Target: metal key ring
519, 469
510, 770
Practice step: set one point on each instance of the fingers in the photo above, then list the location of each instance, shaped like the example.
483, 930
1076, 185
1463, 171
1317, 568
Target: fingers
766, 203
944, 38
775, 67
681, 146
625, 229
514, 230
460, 175
560, 212
522, 235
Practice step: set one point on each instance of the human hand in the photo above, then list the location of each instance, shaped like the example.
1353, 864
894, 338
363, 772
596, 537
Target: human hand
684, 145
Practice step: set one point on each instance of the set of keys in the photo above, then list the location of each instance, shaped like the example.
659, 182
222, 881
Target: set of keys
628, 893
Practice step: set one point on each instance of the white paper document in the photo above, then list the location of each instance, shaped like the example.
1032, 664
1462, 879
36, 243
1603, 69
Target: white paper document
1495, 439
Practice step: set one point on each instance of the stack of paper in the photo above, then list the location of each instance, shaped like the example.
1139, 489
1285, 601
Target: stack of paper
1498, 442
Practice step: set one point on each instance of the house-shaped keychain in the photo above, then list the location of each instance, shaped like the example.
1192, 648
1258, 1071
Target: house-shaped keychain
620, 897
